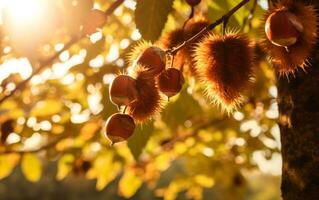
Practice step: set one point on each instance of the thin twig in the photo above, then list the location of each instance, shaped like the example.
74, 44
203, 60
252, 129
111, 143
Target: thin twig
224, 18
113, 7
49, 61
250, 16
42, 148
43, 65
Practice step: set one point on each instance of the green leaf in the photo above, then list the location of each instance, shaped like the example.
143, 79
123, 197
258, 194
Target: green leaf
151, 16
218, 8
179, 110
31, 167
139, 139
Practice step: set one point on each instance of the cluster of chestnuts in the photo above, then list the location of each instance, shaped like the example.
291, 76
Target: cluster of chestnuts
224, 64
139, 92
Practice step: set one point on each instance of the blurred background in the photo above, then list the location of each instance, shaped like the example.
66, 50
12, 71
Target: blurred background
55, 71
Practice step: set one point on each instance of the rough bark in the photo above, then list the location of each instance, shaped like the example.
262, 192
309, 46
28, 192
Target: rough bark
299, 126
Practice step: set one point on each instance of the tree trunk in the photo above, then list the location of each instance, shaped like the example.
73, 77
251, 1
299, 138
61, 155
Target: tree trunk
299, 126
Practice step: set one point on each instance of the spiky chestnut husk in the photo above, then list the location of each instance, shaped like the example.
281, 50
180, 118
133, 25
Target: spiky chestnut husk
173, 39
123, 90
184, 57
151, 57
195, 25
170, 82
193, 2
148, 102
288, 60
225, 66
119, 127
94, 20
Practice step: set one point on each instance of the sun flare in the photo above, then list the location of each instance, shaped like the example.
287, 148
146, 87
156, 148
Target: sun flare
23, 11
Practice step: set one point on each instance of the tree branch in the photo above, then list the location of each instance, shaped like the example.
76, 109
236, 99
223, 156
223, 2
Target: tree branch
168, 145
42, 148
172, 51
44, 64
223, 19
113, 7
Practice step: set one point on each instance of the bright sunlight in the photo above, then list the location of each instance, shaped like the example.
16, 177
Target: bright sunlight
23, 11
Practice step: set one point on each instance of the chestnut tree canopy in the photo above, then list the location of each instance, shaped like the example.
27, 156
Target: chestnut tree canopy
59, 58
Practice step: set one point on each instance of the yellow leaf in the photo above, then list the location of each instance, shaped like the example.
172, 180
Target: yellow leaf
46, 108
175, 187
204, 180
129, 184
7, 164
106, 178
106, 170
89, 129
31, 167
64, 166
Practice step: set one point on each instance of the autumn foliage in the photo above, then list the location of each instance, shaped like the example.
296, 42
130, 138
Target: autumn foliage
175, 96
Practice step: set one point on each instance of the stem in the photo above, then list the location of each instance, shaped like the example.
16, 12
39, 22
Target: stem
124, 110
224, 18
50, 60
172, 61
250, 16
191, 15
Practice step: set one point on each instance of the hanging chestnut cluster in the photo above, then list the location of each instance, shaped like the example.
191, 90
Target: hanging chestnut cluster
140, 92
223, 63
